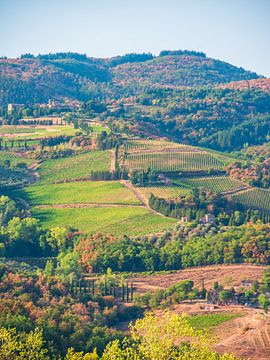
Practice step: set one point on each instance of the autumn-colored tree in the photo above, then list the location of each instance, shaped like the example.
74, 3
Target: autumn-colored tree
164, 337
13, 347
72, 355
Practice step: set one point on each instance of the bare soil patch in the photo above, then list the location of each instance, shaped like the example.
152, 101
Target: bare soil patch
247, 336
227, 275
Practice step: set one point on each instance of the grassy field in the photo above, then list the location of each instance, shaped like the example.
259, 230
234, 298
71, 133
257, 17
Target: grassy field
207, 322
213, 183
35, 132
117, 221
164, 192
109, 192
75, 167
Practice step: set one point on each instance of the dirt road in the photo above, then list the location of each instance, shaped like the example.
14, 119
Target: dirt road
143, 200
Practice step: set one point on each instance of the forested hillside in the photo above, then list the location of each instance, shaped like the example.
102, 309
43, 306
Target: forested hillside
36, 79
180, 70
182, 95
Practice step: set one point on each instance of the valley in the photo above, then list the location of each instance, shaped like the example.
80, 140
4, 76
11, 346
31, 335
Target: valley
135, 189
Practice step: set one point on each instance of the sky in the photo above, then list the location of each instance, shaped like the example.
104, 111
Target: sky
236, 31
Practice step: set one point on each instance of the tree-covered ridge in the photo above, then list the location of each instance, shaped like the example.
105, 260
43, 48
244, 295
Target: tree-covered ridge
222, 119
182, 52
77, 76
129, 58
30, 81
180, 70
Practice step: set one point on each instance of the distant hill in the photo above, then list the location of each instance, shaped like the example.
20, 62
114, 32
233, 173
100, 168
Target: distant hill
69, 75
36, 80
180, 70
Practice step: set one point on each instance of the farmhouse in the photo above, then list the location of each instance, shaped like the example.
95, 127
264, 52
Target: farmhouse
207, 219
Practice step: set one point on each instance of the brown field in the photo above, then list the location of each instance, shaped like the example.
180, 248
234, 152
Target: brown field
227, 275
247, 336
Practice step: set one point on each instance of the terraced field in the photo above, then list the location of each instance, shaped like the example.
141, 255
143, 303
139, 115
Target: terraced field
94, 192
118, 221
164, 192
75, 167
216, 184
254, 198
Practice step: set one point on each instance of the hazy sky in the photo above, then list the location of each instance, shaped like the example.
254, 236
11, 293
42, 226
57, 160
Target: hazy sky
237, 31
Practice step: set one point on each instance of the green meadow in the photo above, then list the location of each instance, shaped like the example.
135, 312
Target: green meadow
36, 132
131, 221
207, 322
74, 167
107, 192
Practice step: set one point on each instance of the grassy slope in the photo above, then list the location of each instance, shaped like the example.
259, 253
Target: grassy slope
164, 192
14, 159
75, 167
207, 322
111, 192
118, 221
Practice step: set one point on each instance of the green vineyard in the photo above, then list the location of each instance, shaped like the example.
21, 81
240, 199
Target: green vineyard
217, 184
254, 198
165, 156
173, 161
155, 145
